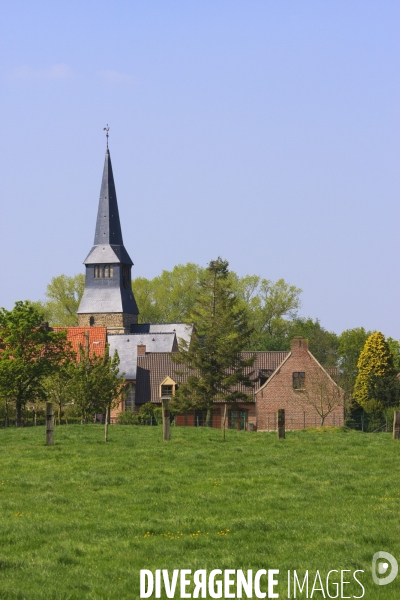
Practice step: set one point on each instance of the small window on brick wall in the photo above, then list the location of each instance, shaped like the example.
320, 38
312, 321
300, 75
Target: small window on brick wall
299, 379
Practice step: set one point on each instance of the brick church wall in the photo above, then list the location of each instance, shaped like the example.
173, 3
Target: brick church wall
120, 321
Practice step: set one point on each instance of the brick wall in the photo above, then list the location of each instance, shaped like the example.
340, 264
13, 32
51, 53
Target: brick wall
115, 322
278, 392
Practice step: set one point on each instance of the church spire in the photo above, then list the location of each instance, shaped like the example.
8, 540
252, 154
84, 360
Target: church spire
108, 226
108, 299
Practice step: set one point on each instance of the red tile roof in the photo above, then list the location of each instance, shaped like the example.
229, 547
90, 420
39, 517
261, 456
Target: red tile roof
77, 337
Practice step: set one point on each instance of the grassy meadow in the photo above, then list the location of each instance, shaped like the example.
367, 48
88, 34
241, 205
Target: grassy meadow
81, 518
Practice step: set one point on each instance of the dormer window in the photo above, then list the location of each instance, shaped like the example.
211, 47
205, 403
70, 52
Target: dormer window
167, 388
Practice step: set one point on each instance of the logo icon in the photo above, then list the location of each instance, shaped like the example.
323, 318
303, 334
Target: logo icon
380, 565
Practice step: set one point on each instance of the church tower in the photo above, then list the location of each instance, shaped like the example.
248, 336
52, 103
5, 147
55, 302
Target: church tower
108, 299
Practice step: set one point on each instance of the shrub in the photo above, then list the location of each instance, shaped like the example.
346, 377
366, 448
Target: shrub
128, 418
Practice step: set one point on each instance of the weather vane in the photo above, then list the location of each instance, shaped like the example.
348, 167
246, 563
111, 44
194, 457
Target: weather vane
107, 129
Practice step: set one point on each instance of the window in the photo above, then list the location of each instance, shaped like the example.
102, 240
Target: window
126, 276
91, 321
130, 399
97, 272
299, 380
238, 419
108, 271
263, 375
167, 390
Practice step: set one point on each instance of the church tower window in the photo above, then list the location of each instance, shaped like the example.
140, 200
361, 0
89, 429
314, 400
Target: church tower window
97, 272
108, 271
126, 276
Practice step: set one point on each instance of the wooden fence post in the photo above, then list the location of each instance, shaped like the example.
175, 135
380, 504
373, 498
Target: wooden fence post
49, 424
396, 425
166, 420
281, 423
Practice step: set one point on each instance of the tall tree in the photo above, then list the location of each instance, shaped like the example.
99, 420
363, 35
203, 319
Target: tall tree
376, 387
169, 297
213, 358
63, 297
28, 353
322, 343
351, 343
271, 307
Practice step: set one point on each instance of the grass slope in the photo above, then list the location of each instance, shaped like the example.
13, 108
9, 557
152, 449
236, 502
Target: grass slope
78, 520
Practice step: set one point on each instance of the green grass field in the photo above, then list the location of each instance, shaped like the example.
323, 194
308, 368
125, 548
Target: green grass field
81, 518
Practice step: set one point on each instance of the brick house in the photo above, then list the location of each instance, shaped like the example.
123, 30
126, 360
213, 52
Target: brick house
292, 380
303, 388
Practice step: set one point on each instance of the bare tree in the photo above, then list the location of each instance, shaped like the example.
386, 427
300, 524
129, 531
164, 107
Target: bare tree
322, 393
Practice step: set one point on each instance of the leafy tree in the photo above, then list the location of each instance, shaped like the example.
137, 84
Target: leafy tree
213, 358
270, 306
64, 295
322, 343
28, 353
169, 297
376, 387
351, 343
58, 389
394, 346
95, 384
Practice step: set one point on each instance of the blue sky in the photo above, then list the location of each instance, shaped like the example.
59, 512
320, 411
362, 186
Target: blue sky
266, 132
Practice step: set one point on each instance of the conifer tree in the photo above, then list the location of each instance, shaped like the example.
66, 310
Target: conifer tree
376, 387
213, 358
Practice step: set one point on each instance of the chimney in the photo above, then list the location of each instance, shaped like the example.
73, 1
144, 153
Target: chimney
298, 345
141, 350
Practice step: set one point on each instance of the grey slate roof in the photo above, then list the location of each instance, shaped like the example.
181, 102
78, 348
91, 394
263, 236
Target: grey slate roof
126, 346
182, 330
107, 300
108, 243
108, 295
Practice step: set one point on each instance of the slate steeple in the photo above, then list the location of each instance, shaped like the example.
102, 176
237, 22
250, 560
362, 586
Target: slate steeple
108, 226
108, 299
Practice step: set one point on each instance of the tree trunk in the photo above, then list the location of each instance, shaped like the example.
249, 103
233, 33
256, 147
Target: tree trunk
281, 423
49, 424
18, 413
106, 424
166, 419
208, 417
224, 422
